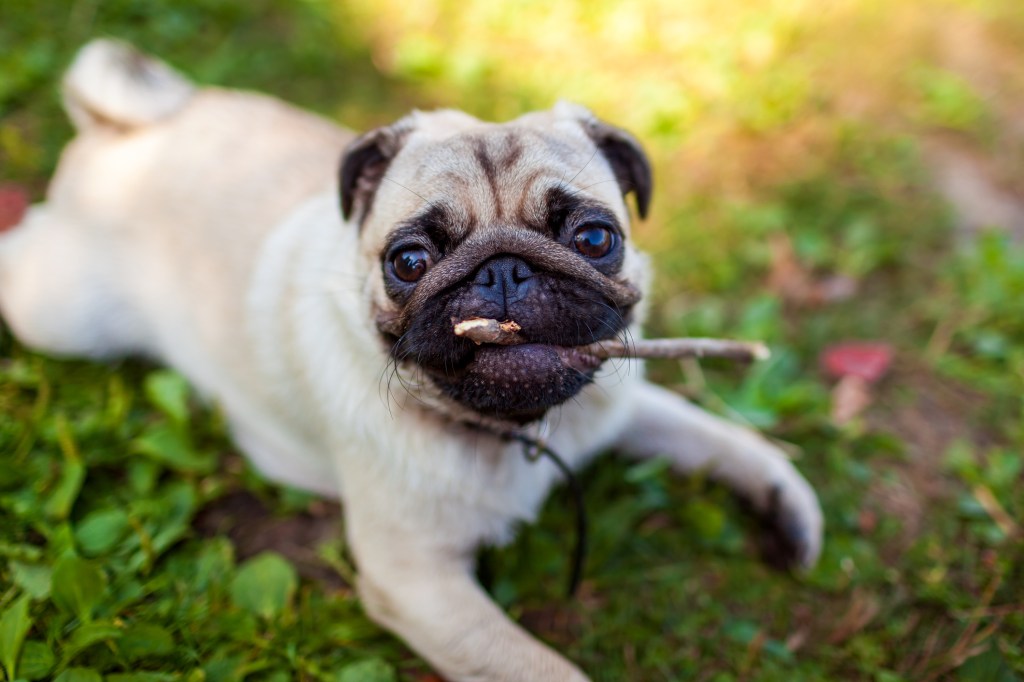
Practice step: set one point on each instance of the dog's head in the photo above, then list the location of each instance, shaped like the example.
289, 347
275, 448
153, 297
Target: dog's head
522, 221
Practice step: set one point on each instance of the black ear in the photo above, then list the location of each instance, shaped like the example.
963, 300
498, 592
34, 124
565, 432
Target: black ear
627, 159
364, 164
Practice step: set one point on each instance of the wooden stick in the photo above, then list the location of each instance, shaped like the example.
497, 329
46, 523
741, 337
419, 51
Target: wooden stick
481, 330
675, 349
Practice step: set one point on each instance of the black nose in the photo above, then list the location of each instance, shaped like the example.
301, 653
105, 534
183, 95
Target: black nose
503, 280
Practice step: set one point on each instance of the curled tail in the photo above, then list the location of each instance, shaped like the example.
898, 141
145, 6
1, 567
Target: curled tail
112, 84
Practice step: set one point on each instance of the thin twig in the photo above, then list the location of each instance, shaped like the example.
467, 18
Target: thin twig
673, 349
482, 330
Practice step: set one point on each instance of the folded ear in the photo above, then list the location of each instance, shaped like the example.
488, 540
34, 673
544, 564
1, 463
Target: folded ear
364, 164
622, 151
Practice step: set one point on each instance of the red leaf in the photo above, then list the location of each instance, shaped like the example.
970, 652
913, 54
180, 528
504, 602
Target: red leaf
867, 360
13, 204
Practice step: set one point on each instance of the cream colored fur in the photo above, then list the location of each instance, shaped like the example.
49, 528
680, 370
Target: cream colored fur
201, 227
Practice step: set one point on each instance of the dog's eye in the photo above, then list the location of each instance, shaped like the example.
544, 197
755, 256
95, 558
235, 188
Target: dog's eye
594, 241
411, 264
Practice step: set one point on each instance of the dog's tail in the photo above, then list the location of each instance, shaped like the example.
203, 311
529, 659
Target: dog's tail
111, 84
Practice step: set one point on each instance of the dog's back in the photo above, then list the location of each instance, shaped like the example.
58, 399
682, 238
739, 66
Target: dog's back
156, 154
227, 163
156, 228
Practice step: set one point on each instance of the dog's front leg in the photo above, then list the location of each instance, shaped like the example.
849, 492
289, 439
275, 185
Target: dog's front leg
418, 583
664, 424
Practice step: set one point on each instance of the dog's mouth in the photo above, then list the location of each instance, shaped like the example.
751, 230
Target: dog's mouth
518, 383
513, 365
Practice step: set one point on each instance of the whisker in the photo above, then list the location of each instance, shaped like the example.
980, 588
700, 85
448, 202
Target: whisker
599, 182
411, 391
617, 366
624, 334
392, 365
584, 167
396, 182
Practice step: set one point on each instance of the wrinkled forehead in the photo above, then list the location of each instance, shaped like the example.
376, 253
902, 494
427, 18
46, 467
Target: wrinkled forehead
506, 175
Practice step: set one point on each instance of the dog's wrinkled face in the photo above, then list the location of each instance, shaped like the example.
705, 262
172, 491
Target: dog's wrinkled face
521, 221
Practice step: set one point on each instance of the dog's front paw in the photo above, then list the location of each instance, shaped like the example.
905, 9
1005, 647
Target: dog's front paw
791, 525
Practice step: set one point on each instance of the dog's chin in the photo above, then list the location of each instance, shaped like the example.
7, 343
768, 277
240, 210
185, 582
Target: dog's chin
518, 383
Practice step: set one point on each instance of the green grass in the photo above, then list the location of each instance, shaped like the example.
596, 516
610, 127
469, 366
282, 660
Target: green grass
136, 545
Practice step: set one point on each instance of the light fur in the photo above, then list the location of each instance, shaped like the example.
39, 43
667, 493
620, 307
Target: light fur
210, 238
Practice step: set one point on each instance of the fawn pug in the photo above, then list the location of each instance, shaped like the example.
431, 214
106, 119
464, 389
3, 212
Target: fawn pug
202, 227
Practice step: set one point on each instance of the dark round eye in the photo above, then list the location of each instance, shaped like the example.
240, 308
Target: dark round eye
411, 264
594, 241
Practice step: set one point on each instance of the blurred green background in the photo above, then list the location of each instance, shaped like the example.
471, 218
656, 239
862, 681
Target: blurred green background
825, 171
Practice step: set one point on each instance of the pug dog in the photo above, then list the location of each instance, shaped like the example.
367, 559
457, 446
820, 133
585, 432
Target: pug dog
211, 230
